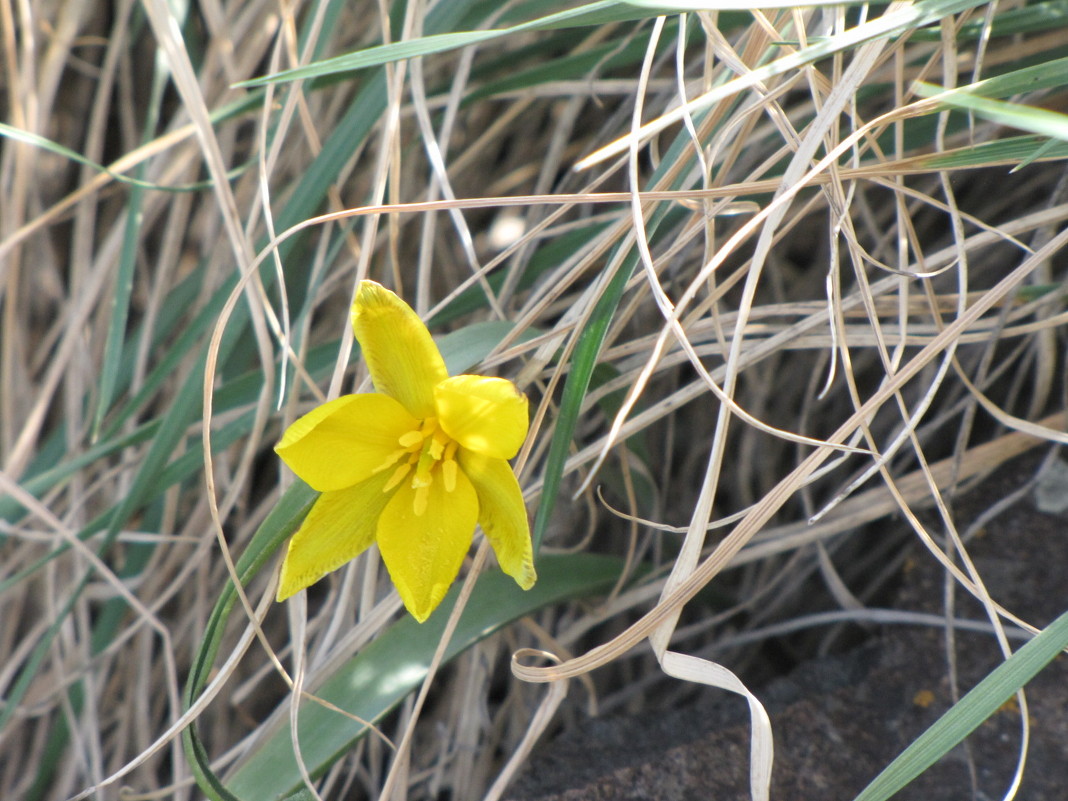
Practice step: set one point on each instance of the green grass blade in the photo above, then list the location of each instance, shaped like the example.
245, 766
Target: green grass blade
583, 362
279, 524
11, 510
1013, 149
29, 138
1048, 75
32, 665
968, 713
1015, 115
1032, 17
163, 369
26, 137
587, 351
120, 303
600, 13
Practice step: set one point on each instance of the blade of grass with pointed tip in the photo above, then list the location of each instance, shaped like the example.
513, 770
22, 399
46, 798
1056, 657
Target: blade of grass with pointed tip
600, 13
1013, 149
1016, 115
583, 361
1048, 75
968, 713
1023, 19
131, 237
19, 135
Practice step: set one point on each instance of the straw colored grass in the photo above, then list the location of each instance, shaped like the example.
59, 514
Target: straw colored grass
760, 292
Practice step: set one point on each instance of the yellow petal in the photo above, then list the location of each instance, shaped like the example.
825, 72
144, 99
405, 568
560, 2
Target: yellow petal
487, 415
403, 359
344, 441
339, 527
502, 514
424, 551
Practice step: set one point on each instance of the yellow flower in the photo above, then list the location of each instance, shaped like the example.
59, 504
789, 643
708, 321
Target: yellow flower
413, 466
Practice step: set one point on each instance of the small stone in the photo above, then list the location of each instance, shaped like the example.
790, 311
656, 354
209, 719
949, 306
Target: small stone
1051, 491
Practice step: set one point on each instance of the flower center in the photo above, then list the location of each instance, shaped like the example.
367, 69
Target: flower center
429, 452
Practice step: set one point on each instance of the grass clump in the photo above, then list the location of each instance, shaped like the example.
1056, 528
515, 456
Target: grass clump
767, 276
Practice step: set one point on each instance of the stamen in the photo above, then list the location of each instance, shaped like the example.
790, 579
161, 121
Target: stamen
448, 474
419, 506
427, 447
397, 477
389, 461
411, 440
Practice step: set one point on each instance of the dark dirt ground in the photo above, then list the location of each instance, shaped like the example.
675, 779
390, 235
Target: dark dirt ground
839, 721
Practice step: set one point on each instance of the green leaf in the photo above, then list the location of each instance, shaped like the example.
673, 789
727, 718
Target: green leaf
1048, 75
120, 307
29, 138
583, 361
379, 677
1013, 149
968, 713
1016, 115
374, 681
600, 13
467, 346
1024, 19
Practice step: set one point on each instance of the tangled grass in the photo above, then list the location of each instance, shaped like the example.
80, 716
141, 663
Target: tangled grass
768, 277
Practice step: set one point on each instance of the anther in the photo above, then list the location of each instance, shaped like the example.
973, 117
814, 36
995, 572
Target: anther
411, 440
